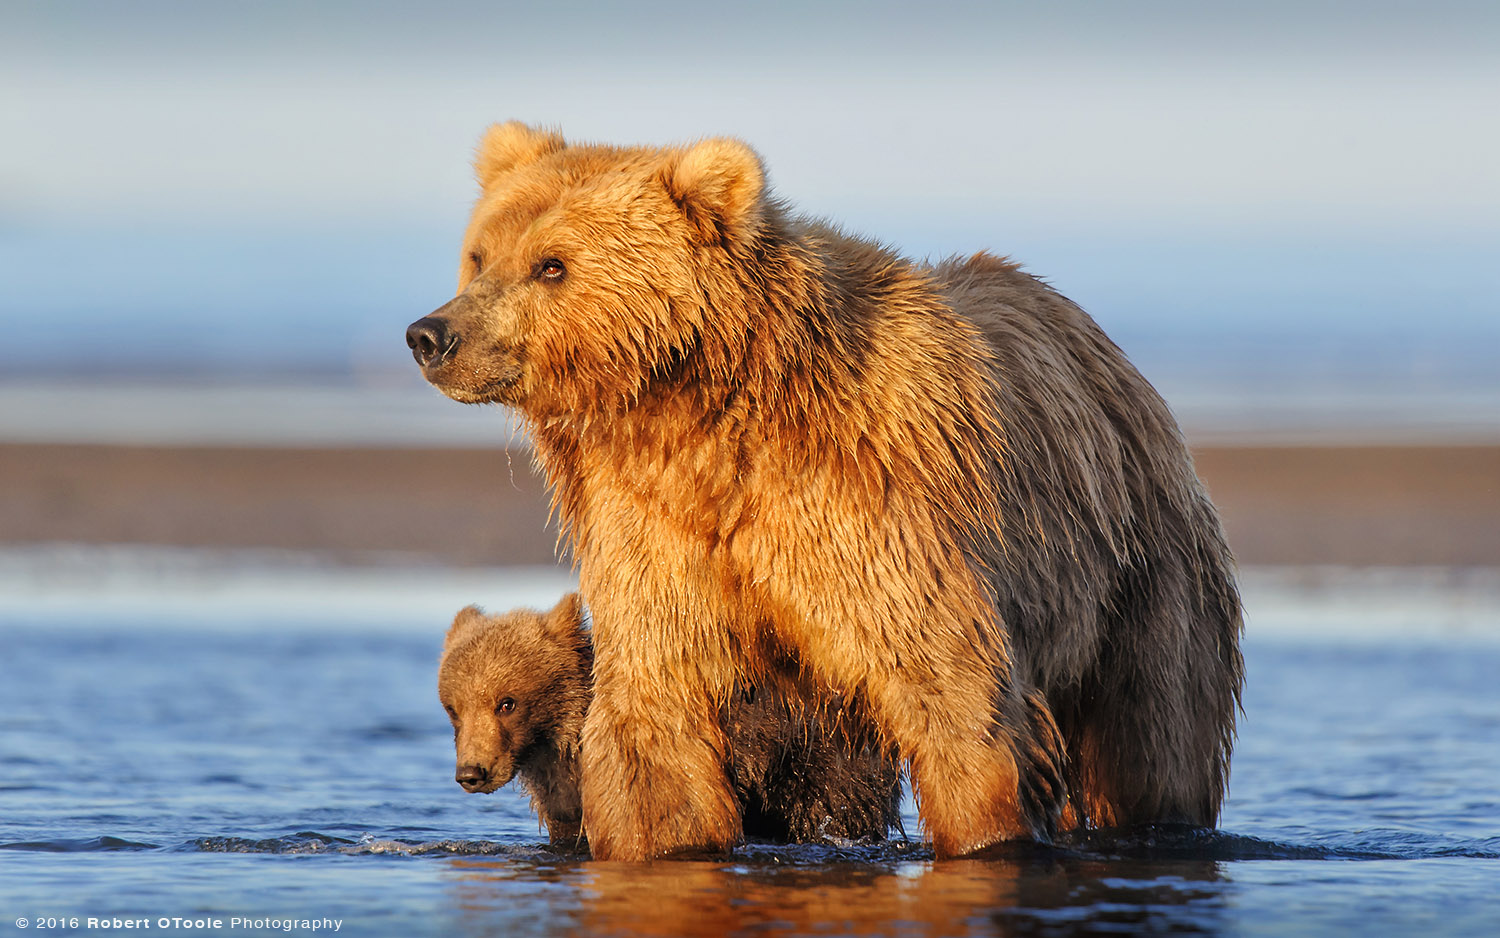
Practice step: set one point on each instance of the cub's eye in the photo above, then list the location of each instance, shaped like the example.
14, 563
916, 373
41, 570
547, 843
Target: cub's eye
477, 261
452, 714
550, 269
506, 705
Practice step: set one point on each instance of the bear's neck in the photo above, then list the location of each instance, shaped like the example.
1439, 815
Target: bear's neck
551, 776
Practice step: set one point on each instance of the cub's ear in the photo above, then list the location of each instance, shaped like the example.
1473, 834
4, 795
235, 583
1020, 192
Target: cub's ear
467, 620
510, 145
565, 620
718, 184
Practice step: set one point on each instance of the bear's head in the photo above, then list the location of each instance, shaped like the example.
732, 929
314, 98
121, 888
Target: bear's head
588, 272
516, 687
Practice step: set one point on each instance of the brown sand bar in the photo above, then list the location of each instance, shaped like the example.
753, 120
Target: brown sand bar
463, 505
1359, 505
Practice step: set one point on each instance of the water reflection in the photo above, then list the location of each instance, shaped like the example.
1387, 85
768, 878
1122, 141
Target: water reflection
1052, 894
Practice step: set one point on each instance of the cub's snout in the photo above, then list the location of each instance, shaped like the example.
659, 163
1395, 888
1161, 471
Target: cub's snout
473, 778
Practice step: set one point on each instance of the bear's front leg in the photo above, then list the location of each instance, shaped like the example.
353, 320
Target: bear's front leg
987, 762
654, 754
984, 781
654, 779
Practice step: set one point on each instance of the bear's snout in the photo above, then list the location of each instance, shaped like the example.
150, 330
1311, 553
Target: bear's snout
472, 777
431, 340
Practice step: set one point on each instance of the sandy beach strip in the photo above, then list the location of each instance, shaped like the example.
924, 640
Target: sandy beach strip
1419, 505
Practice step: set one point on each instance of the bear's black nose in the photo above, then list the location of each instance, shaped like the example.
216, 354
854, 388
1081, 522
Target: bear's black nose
471, 777
430, 340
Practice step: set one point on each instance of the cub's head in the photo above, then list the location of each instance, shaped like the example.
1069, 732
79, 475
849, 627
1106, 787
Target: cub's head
584, 270
516, 687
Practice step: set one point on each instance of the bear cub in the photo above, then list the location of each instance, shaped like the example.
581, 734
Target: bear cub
517, 687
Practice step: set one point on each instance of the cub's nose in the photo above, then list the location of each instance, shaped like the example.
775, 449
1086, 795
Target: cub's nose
430, 340
471, 777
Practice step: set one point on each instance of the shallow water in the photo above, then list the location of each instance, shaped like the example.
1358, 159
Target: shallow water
199, 745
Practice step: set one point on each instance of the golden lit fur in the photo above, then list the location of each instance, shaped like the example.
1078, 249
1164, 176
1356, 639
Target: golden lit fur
781, 453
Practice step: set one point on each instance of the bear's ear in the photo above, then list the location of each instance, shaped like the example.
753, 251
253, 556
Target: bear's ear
511, 145
718, 184
467, 619
564, 621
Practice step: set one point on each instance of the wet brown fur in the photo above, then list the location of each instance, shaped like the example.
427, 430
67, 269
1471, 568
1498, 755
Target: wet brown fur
779, 449
542, 661
799, 773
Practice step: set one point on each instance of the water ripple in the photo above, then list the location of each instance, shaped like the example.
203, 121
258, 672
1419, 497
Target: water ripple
79, 845
1157, 843
301, 842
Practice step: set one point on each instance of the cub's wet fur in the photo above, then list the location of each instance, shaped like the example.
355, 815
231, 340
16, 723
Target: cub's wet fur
517, 688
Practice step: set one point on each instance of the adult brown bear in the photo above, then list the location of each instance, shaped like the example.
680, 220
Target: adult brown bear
783, 454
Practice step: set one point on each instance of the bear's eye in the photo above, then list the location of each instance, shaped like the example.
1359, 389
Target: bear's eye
550, 269
506, 705
452, 714
477, 261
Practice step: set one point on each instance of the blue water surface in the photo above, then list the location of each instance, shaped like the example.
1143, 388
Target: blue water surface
202, 756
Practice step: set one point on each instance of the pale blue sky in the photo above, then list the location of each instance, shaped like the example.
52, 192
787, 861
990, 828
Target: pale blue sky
1323, 113
1310, 163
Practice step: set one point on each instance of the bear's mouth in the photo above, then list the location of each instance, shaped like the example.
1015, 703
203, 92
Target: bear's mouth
502, 391
491, 378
